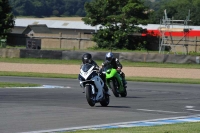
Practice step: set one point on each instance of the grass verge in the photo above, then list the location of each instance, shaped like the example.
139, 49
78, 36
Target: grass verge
8, 84
171, 128
75, 76
99, 62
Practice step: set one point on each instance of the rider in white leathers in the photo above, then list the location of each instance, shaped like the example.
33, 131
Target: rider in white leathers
87, 58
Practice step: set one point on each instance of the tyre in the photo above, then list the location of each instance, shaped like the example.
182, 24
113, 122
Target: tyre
106, 100
89, 96
124, 94
114, 88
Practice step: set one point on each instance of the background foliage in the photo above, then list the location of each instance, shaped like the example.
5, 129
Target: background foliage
108, 13
6, 18
175, 8
43, 8
119, 20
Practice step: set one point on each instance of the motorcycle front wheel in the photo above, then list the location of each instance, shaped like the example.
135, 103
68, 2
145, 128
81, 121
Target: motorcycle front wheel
113, 86
89, 96
124, 93
105, 101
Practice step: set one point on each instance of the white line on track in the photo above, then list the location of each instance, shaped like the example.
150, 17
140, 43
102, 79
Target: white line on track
153, 122
44, 86
161, 111
193, 110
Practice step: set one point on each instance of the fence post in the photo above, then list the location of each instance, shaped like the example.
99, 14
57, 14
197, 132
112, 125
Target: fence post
60, 39
196, 44
79, 41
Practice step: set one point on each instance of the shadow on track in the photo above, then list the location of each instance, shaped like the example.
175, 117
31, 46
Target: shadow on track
113, 107
130, 97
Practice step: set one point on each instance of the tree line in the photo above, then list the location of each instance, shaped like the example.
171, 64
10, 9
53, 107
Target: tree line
119, 18
176, 9
37, 8
46, 8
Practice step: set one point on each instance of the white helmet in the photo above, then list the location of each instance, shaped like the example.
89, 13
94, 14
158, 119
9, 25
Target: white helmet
109, 56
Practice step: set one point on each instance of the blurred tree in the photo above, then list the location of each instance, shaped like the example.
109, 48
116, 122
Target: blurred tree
45, 8
6, 18
179, 10
119, 19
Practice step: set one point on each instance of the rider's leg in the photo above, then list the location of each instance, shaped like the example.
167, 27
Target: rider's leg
123, 78
81, 84
105, 87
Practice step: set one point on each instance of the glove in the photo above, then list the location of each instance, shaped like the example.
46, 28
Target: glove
119, 68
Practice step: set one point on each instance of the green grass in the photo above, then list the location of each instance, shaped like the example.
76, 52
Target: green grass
78, 62
75, 76
41, 75
39, 61
164, 80
170, 128
159, 65
8, 84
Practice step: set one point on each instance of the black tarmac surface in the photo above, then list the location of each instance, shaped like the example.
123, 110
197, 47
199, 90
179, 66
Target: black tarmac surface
35, 109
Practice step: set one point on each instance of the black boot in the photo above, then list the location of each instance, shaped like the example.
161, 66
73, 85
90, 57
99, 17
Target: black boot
123, 79
124, 83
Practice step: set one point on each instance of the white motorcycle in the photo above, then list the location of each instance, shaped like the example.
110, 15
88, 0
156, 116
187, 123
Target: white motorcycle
93, 85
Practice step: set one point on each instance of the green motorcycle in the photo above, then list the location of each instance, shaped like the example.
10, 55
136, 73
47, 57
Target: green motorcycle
114, 81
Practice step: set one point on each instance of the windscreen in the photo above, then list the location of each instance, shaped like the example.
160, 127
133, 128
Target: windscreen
86, 67
106, 67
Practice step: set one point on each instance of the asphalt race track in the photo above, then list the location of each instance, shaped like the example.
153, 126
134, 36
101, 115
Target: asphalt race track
65, 106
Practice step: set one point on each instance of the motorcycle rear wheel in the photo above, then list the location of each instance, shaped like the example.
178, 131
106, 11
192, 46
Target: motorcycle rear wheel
89, 96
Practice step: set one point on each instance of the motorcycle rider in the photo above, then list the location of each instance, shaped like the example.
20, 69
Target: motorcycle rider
87, 58
115, 64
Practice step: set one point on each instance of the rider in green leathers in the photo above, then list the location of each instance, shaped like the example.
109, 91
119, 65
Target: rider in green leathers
115, 64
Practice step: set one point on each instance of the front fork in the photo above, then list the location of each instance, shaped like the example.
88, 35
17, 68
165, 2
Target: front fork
121, 86
119, 82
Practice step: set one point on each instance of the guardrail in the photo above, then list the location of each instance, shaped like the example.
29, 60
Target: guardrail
76, 55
